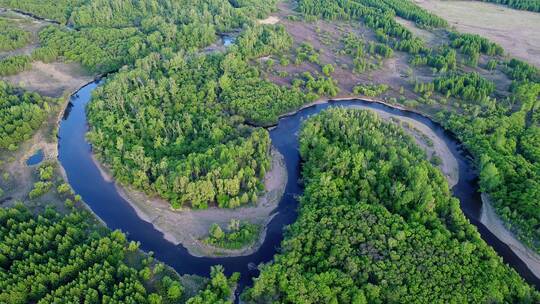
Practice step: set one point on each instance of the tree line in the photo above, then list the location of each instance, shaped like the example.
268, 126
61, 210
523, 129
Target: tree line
528, 5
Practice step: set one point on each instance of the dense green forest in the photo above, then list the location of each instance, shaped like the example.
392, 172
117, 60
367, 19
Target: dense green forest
113, 33
378, 224
528, 5
162, 129
468, 99
377, 221
21, 113
53, 258
506, 144
12, 37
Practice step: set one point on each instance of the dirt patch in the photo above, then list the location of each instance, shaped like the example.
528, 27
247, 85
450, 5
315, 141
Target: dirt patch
51, 79
269, 20
325, 37
515, 30
493, 223
188, 227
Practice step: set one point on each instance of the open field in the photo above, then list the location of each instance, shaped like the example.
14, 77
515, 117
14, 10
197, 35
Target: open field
51, 79
516, 31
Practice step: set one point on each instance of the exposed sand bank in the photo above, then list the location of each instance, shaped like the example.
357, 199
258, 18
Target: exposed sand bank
188, 227
493, 223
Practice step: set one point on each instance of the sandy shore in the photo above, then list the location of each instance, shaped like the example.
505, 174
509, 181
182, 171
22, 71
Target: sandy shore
493, 223
188, 227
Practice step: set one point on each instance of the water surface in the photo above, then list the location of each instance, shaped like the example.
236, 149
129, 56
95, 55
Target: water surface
36, 158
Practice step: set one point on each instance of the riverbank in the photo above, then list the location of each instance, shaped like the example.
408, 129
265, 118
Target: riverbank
493, 223
189, 226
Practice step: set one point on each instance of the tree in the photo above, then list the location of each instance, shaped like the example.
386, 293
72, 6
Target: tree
216, 232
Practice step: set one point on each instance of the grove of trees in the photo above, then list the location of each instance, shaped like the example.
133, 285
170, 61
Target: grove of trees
238, 234
21, 113
506, 146
14, 64
12, 37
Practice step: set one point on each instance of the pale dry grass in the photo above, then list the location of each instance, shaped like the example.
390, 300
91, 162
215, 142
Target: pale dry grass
269, 20
518, 32
51, 79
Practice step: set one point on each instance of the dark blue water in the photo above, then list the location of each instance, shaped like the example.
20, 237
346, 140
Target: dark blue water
102, 197
36, 158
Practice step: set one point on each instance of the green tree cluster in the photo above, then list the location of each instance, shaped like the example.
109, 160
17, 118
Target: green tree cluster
161, 128
21, 113
239, 234
379, 16
366, 56
521, 71
259, 101
11, 36
219, 290
505, 142
370, 90
473, 45
377, 224
443, 59
469, 87
59, 10
51, 258
356, 8
112, 33
14, 64
263, 40
54, 258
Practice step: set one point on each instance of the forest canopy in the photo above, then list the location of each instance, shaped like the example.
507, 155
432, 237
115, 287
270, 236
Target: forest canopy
54, 258
378, 224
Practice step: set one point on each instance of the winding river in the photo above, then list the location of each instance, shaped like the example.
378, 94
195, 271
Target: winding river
102, 197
